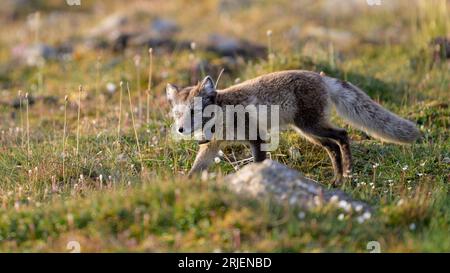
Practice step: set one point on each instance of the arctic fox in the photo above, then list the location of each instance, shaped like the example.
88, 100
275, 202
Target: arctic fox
304, 99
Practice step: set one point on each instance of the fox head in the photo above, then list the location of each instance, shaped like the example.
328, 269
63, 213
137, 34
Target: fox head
188, 104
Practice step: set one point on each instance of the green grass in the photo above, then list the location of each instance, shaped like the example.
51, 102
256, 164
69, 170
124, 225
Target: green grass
107, 202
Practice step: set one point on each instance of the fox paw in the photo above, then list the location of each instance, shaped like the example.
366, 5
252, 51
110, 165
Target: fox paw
337, 182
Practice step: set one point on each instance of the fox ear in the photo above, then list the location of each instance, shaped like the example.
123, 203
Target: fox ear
171, 92
207, 86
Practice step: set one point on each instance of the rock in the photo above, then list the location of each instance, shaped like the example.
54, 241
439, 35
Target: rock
273, 179
16, 102
341, 38
164, 28
229, 46
119, 31
109, 25
37, 54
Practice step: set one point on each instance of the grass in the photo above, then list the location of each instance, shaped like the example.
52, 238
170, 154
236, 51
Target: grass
95, 192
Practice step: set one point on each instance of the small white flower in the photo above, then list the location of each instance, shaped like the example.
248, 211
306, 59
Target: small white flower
341, 217
375, 165
220, 153
345, 205
111, 87
342, 204
412, 226
217, 160
405, 168
301, 215
334, 199
358, 208
360, 219
193, 45
366, 215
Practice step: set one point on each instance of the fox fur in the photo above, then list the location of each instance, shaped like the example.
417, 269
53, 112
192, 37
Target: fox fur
305, 99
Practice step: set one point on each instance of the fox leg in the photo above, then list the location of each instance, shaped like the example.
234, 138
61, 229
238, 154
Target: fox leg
255, 146
341, 138
334, 152
205, 156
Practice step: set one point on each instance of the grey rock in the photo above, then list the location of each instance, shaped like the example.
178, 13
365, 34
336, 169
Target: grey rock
109, 24
37, 54
272, 179
164, 28
232, 47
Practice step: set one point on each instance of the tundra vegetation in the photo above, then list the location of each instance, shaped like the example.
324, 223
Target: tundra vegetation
85, 148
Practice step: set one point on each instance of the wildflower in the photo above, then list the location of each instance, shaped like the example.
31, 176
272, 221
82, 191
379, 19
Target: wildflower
375, 165
345, 205
217, 160
334, 199
405, 168
341, 217
301, 215
366, 215
358, 208
412, 226
111, 87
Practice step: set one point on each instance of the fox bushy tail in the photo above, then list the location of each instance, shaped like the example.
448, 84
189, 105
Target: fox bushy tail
360, 111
